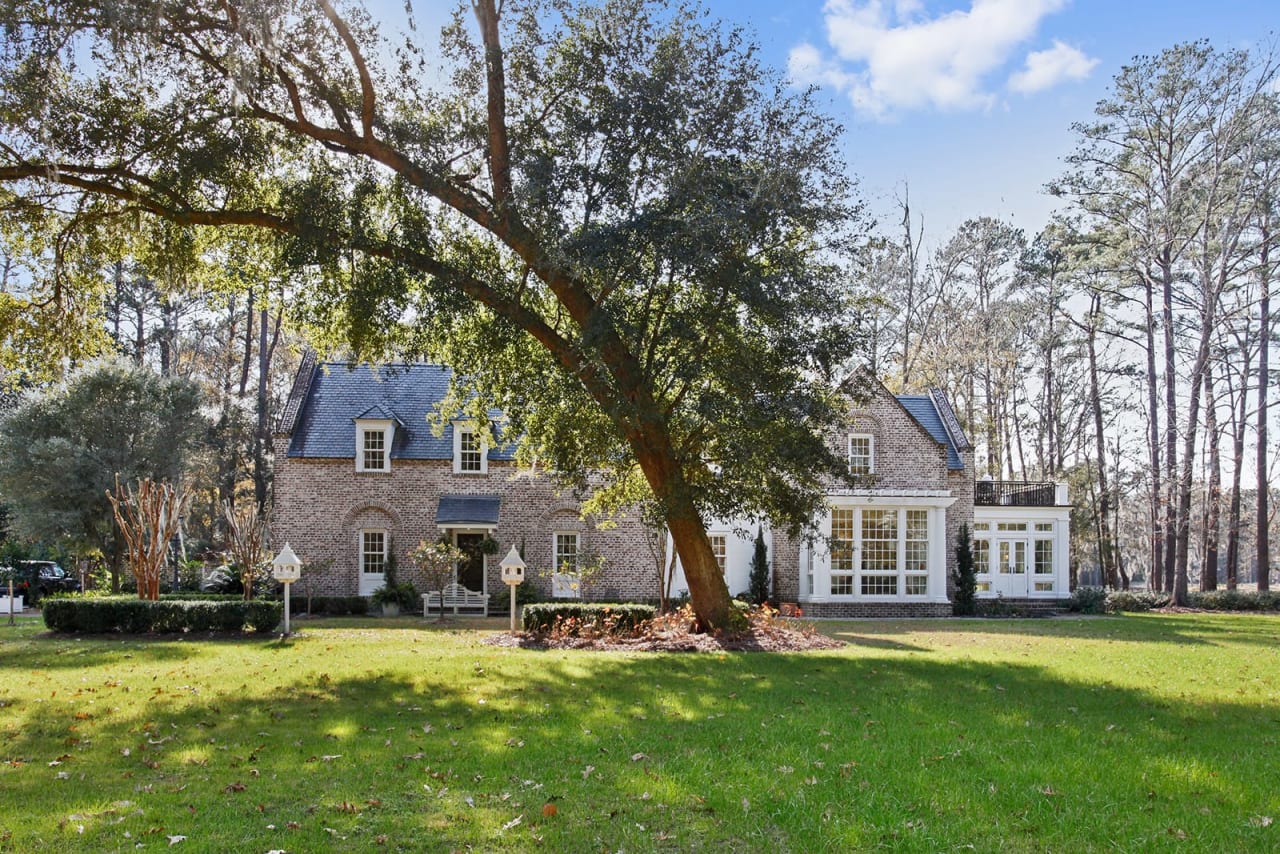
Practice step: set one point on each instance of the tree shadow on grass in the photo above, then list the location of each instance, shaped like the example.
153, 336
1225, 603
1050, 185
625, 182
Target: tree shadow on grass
643, 751
1207, 629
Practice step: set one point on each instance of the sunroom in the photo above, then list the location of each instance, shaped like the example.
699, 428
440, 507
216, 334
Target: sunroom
1021, 539
879, 548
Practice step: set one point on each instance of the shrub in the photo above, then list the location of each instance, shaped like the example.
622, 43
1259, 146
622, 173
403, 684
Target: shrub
526, 594
334, 606
758, 585
966, 577
137, 616
1125, 600
1235, 600
397, 593
576, 618
1087, 600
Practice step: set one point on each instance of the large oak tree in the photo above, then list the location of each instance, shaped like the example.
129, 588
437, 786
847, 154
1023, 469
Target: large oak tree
609, 217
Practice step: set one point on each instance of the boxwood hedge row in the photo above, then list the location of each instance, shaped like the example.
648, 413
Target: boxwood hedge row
591, 617
331, 605
137, 616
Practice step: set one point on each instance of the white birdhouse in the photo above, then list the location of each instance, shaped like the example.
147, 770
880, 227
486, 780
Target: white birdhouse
286, 566
512, 568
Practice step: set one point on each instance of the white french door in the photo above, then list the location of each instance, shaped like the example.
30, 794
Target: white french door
1010, 577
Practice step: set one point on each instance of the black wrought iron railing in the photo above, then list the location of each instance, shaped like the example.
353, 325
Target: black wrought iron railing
1014, 493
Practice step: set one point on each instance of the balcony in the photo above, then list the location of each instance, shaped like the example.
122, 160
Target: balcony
1019, 493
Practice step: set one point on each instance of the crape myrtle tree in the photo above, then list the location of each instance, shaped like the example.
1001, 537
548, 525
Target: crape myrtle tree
609, 217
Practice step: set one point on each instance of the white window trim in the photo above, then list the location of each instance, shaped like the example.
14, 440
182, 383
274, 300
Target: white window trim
386, 539
566, 585
724, 555
871, 453
370, 425
819, 557
460, 427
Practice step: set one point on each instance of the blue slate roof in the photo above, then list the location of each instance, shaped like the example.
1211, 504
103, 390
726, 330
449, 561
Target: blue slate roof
921, 407
468, 510
338, 393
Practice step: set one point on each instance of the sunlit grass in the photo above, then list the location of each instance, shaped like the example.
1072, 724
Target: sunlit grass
1131, 733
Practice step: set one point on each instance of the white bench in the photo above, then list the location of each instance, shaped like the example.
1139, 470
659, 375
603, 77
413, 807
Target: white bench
457, 598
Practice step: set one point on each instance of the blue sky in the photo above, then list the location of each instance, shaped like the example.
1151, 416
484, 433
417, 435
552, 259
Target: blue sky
971, 102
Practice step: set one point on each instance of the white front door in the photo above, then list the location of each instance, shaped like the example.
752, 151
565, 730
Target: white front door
1010, 578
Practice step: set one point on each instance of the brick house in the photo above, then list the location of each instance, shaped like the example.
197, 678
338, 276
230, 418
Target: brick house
361, 479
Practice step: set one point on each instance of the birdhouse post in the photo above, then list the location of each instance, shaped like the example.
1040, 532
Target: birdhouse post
513, 576
286, 568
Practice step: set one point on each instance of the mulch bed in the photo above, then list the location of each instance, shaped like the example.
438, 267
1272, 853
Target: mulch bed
771, 637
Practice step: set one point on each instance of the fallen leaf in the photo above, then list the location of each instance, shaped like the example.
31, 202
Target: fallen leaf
1260, 821
636, 757
234, 787
549, 809
586, 772
514, 822
174, 840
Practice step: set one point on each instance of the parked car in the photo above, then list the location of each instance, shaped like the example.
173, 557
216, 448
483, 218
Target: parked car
36, 579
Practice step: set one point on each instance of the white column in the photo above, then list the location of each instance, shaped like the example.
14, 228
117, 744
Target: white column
820, 553
938, 554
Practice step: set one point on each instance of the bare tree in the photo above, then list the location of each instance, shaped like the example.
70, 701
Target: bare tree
148, 518
246, 541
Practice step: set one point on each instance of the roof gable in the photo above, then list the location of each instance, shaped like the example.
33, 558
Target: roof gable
924, 411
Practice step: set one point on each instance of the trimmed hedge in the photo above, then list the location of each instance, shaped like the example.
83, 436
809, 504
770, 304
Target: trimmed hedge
201, 597
1235, 600
594, 617
138, 616
334, 606
1087, 599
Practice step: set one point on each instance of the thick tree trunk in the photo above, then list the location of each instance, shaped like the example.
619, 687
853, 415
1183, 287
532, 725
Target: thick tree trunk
708, 592
1213, 499
1171, 529
248, 345
1239, 423
1155, 573
1264, 332
261, 433
1106, 551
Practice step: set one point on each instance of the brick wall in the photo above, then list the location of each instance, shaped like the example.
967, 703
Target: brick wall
906, 458
322, 504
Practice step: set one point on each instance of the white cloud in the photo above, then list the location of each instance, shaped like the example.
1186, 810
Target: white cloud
1048, 68
890, 55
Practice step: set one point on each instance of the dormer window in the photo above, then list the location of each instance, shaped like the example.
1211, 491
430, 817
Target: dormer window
861, 454
373, 445
470, 450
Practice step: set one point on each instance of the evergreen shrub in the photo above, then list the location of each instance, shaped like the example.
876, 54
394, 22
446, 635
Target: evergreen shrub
128, 615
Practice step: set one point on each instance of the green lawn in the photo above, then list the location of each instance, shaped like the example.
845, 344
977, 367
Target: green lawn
1120, 733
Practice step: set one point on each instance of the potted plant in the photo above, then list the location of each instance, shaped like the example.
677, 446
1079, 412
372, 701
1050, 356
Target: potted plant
489, 546
394, 597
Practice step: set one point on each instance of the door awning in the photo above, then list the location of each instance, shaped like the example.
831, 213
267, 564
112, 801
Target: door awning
468, 511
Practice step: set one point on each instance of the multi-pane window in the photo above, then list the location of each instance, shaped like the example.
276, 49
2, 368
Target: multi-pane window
373, 551
1043, 565
981, 555
879, 552
916, 567
842, 551
566, 548
1044, 526
720, 548
861, 448
374, 450
469, 451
